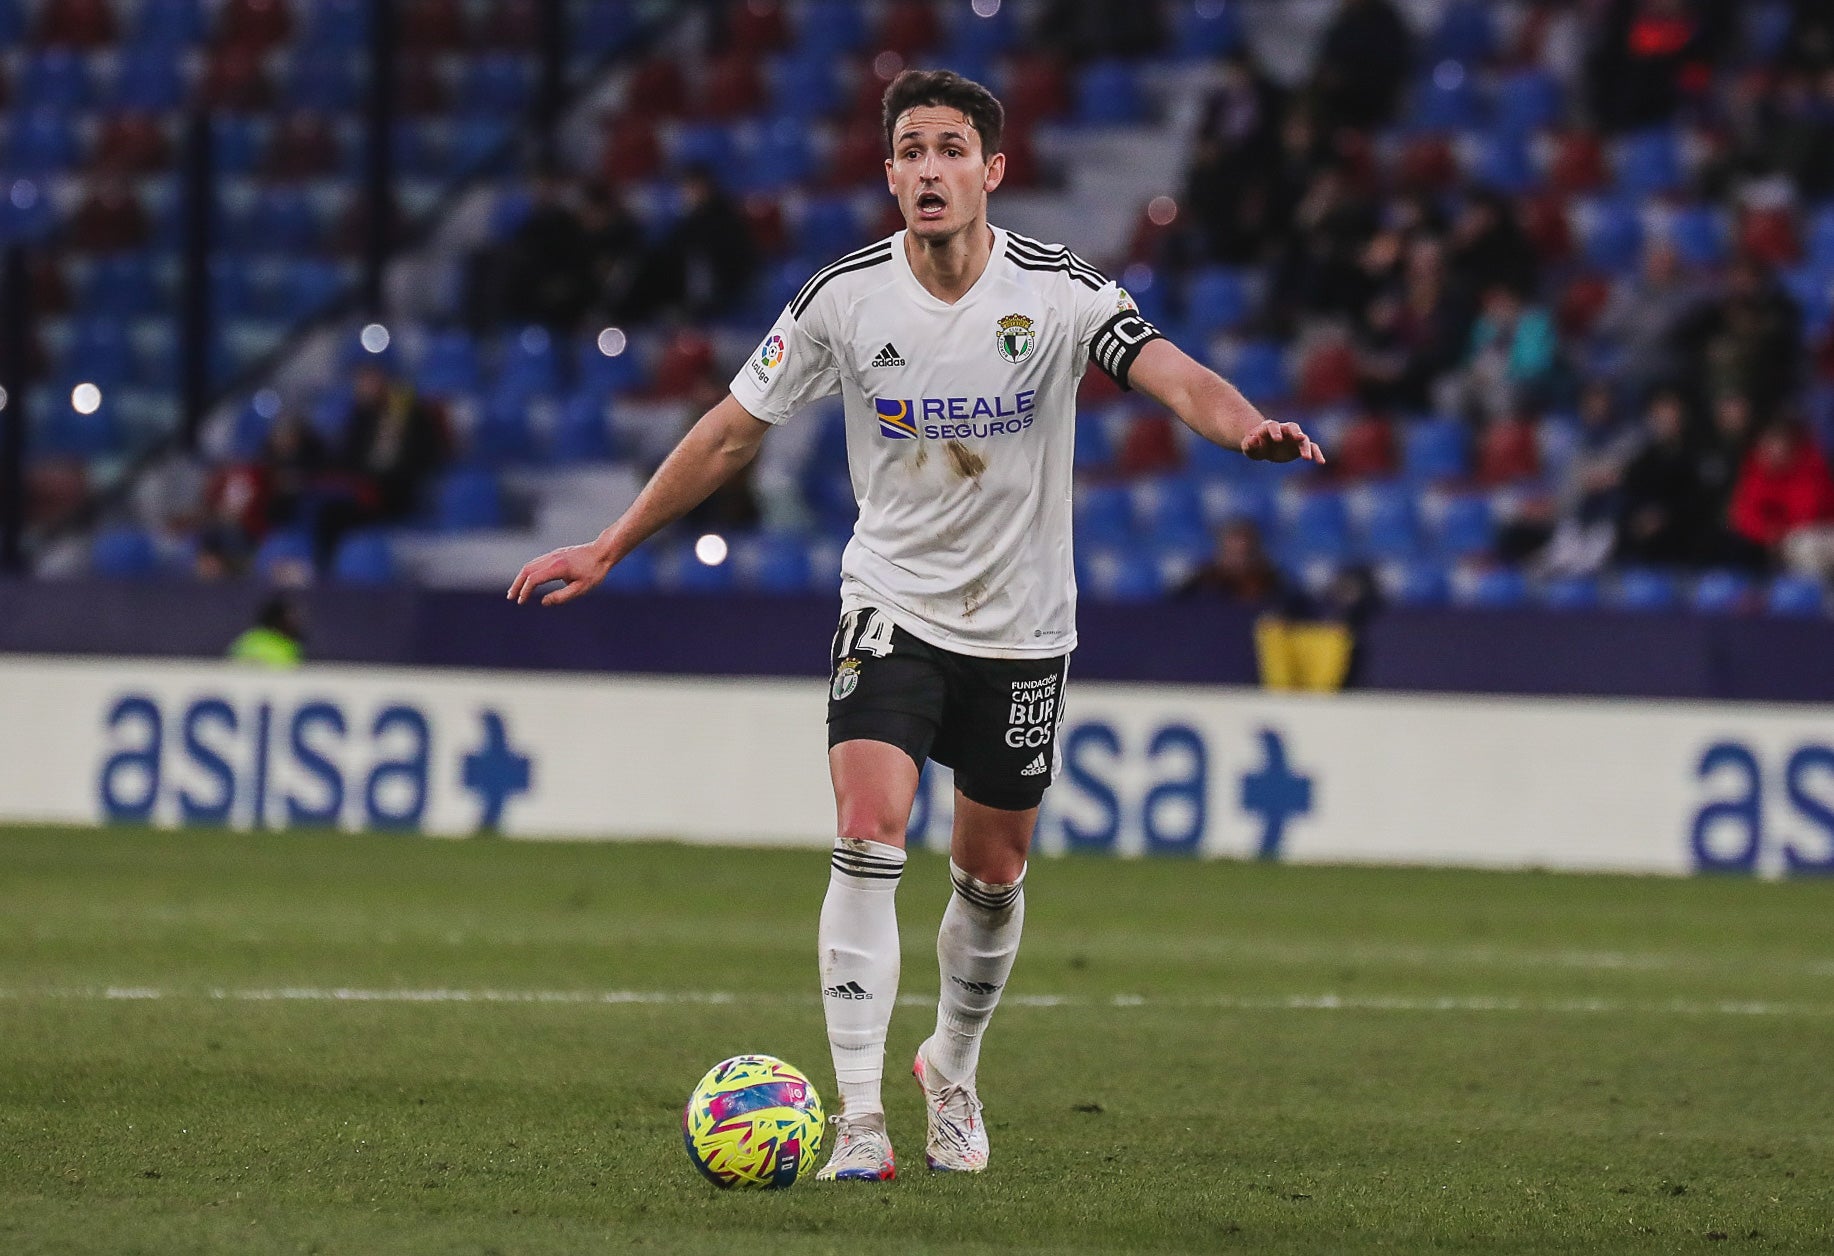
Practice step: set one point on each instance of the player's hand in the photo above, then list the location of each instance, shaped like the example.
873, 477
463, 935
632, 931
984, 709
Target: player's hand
581, 567
1281, 442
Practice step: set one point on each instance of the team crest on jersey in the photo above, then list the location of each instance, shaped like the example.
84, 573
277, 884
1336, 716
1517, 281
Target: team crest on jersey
846, 678
895, 418
1015, 338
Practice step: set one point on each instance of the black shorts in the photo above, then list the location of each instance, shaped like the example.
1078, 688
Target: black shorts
994, 721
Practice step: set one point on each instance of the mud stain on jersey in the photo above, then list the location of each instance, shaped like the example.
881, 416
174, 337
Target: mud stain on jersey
974, 596
964, 461
923, 456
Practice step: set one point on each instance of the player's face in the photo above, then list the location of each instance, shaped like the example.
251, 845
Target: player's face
938, 172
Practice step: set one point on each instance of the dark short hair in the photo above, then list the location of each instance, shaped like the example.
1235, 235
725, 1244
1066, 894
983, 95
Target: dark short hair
949, 89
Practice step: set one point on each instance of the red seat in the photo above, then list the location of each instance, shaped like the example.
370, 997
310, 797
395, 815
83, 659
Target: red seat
109, 219
733, 86
1021, 158
910, 27
1149, 446
686, 362
1036, 88
76, 24
434, 26
858, 156
1507, 451
1365, 449
657, 89
756, 24
1580, 305
131, 143
254, 24
512, 24
1328, 373
631, 151
1426, 164
236, 79
302, 147
1547, 225
1579, 162
1769, 236
420, 87
764, 220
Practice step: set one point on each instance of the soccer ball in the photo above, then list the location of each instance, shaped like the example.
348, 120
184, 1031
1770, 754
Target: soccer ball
753, 1121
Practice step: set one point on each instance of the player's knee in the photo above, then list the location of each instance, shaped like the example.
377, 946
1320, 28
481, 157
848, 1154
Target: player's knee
991, 885
869, 821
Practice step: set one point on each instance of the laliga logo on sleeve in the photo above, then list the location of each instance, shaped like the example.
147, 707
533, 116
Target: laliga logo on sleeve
771, 352
1015, 338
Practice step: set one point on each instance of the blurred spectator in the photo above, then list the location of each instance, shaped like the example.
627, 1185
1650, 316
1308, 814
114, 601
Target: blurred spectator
1232, 189
614, 245
1784, 501
1363, 61
1514, 358
1238, 570
1749, 342
1644, 317
1590, 494
543, 272
1488, 246
277, 639
1665, 506
1410, 340
1102, 28
703, 267
392, 443
1725, 446
1651, 55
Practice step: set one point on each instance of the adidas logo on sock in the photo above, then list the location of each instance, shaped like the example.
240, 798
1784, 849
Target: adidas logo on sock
848, 990
888, 356
1037, 767
976, 987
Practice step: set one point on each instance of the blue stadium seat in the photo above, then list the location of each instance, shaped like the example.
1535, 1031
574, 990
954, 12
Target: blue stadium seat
248, 431
1821, 239
1259, 372
498, 84
775, 562
1645, 589
1108, 94
100, 352
1436, 450
1724, 593
1613, 236
1466, 31
289, 547
580, 433
42, 142
1527, 101
778, 155
1254, 500
802, 84
315, 285
831, 26
1697, 235
324, 82
232, 289
148, 79
1170, 510
123, 286
1796, 596
1446, 99
1102, 513
605, 26
238, 142
64, 432
479, 145
1419, 583
509, 209
1093, 447
503, 434
1649, 163
123, 552
1216, 299
328, 411
709, 144
27, 213
165, 26
530, 365
54, 79
1204, 29
1570, 593
1119, 573
1466, 526
620, 374
981, 38
449, 365
1391, 525
1504, 163
1319, 528
1494, 588
636, 574
12, 24
468, 498
364, 557
829, 227
684, 573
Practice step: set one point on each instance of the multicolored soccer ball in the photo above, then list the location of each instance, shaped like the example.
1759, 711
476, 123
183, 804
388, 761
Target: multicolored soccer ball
753, 1121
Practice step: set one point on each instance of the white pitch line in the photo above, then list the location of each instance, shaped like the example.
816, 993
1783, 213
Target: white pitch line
1222, 1003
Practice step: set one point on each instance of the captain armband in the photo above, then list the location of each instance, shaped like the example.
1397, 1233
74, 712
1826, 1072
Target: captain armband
1119, 342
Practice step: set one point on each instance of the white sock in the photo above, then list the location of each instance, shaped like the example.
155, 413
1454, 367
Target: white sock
859, 966
975, 950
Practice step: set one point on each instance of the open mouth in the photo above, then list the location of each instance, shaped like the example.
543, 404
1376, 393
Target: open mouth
930, 205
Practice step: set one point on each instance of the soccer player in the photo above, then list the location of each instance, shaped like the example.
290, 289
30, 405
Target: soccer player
956, 348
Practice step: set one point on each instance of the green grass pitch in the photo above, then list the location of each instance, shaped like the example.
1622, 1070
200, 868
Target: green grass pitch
1193, 1057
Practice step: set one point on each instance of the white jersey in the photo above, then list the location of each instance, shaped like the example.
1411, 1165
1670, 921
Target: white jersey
960, 432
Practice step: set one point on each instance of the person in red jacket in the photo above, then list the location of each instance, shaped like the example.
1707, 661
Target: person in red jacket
1784, 500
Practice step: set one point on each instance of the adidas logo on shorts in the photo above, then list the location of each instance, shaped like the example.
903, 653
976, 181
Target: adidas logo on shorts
848, 990
1037, 767
888, 356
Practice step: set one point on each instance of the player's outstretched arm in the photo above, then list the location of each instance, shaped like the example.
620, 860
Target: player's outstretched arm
714, 450
1209, 405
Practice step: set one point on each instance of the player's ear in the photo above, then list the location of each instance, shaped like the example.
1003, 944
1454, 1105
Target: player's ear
996, 170
891, 184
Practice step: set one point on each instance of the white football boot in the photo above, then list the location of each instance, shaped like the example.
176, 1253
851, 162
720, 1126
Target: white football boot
862, 1151
958, 1134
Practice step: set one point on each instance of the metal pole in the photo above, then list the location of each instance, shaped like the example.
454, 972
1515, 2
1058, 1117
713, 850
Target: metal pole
552, 88
15, 319
379, 170
194, 309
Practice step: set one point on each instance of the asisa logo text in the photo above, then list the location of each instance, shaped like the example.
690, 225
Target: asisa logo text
954, 418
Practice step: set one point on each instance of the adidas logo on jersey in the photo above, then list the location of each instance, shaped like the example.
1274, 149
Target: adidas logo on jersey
888, 356
1037, 767
848, 990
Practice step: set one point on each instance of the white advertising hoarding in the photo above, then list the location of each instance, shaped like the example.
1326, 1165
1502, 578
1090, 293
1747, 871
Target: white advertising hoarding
1638, 786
